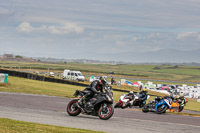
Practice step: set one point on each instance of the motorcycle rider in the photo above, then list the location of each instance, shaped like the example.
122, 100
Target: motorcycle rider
127, 97
96, 87
181, 99
130, 95
143, 94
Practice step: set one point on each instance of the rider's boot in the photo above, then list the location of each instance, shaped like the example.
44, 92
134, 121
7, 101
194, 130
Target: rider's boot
81, 101
130, 105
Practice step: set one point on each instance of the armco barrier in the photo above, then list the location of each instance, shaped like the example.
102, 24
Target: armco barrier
40, 78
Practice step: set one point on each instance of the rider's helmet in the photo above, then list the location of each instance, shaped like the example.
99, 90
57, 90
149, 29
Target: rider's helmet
131, 93
181, 96
157, 97
144, 90
102, 79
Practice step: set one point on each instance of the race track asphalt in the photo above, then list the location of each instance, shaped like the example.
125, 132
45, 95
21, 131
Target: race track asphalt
52, 110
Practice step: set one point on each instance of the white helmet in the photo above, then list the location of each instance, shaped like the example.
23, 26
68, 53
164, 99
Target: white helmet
130, 92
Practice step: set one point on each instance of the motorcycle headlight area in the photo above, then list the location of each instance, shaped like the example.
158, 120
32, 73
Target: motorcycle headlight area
109, 99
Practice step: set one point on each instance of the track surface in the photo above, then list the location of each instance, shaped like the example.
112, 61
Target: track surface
52, 110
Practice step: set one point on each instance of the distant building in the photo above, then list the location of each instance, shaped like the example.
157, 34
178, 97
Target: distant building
11, 57
7, 56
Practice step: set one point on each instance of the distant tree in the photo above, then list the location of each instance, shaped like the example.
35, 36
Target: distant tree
176, 66
156, 68
18, 56
39, 60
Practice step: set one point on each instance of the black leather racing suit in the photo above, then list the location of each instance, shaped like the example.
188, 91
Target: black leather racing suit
94, 88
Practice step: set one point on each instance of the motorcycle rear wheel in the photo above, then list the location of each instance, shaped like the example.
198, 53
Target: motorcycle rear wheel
73, 109
106, 113
180, 108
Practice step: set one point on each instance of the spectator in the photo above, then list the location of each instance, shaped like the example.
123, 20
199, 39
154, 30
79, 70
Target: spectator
112, 81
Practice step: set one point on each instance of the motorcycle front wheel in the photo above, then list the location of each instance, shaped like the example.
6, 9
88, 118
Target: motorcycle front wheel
73, 109
145, 109
161, 110
105, 111
141, 105
117, 105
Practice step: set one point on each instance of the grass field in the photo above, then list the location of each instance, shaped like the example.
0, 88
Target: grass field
162, 72
14, 126
192, 105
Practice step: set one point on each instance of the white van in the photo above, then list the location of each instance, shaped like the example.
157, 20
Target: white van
51, 74
73, 75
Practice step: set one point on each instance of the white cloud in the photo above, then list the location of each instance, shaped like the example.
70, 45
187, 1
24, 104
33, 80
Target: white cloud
189, 36
154, 35
63, 29
25, 27
184, 34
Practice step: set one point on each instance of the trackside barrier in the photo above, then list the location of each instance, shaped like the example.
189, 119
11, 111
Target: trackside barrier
3, 78
40, 78
48, 79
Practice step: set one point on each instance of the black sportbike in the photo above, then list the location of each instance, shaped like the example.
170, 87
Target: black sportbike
98, 105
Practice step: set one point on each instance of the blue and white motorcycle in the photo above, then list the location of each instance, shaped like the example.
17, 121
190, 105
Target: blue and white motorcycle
159, 105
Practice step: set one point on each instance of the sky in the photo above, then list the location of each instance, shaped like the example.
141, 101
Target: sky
96, 29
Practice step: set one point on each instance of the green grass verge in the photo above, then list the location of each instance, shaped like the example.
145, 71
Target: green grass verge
14, 126
22, 85
192, 105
